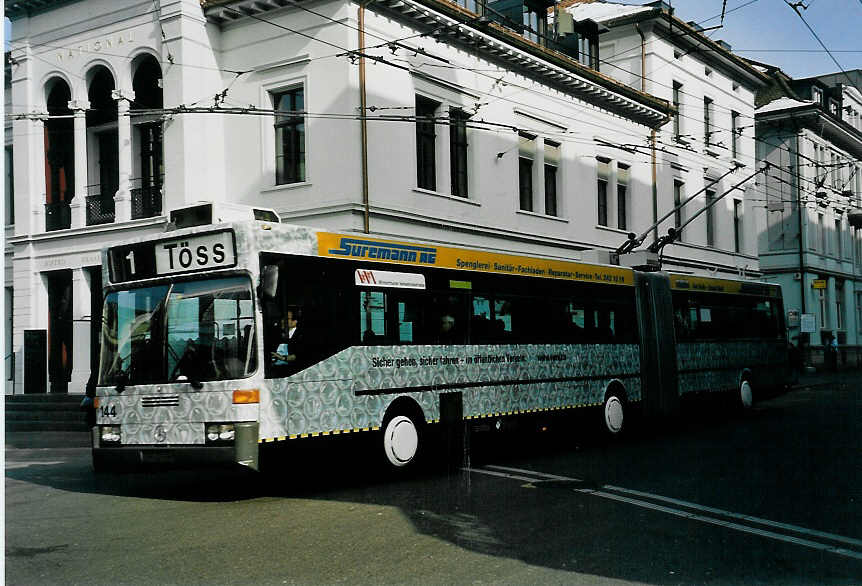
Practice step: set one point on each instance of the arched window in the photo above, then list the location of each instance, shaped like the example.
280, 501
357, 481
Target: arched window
103, 173
148, 157
59, 156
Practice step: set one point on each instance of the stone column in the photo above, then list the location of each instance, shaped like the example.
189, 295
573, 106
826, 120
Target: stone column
80, 332
79, 202
123, 197
35, 177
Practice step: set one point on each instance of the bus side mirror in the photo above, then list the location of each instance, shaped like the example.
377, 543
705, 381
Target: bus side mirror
269, 282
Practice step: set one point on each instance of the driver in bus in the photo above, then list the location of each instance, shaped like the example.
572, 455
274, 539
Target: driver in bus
290, 339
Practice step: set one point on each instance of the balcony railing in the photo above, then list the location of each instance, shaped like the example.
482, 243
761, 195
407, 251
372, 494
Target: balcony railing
146, 200
58, 216
100, 207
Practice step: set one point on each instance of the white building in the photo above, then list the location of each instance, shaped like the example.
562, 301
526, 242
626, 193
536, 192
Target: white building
810, 130
712, 132
458, 124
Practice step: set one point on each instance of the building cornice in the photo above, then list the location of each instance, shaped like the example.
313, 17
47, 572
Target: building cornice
15, 9
812, 117
497, 44
691, 39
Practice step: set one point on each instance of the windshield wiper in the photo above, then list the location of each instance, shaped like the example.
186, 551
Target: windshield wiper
196, 384
184, 365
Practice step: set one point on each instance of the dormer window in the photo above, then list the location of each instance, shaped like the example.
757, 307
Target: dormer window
817, 95
579, 40
834, 109
528, 17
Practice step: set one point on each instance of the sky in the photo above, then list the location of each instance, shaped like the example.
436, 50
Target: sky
770, 31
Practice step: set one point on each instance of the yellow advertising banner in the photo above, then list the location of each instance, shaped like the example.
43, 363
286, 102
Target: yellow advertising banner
818, 284
377, 250
711, 285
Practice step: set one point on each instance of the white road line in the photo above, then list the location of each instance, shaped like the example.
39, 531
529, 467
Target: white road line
533, 476
534, 473
749, 518
727, 524
502, 474
25, 464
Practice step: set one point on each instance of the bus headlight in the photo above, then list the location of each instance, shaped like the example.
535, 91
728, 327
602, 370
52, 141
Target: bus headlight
110, 433
220, 432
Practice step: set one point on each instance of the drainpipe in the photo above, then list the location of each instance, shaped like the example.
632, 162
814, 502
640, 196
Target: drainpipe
801, 249
653, 162
363, 129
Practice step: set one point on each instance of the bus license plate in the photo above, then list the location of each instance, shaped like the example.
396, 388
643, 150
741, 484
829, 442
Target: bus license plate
195, 253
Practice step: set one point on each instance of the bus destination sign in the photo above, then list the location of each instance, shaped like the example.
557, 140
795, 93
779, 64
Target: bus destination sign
146, 260
195, 253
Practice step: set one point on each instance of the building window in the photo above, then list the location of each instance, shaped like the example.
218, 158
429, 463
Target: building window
839, 248
604, 175
677, 103
707, 121
536, 22
458, 151
735, 133
289, 136
426, 169
9, 358
859, 310
821, 298
9, 186
552, 161
710, 216
622, 196
817, 95
737, 225
526, 155
821, 233
471, 5
678, 193
841, 321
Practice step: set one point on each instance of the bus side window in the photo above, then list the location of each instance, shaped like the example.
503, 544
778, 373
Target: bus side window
408, 319
372, 323
480, 322
501, 327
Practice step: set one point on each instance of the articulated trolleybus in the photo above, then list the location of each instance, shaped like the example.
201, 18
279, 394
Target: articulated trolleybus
224, 338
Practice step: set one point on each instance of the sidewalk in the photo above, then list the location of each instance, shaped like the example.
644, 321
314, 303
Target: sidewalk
826, 377
19, 440
81, 439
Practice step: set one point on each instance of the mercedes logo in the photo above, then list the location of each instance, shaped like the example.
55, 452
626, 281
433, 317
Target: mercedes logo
159, 434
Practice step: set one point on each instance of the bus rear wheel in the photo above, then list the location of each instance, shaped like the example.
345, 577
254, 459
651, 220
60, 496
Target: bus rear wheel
746, 394
401, 440
613, 414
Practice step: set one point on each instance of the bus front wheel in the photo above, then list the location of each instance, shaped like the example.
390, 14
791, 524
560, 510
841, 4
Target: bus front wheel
746, 394
401, 441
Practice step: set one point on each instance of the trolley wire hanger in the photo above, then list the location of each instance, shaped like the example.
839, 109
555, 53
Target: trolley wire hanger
673, 233
634, 241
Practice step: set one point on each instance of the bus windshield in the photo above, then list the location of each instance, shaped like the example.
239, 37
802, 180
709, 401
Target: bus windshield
188, 331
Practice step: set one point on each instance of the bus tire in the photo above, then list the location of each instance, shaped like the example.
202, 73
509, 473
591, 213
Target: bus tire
746, 394
613, 413
402, 436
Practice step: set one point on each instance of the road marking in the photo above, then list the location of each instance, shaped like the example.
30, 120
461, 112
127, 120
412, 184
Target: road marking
16, 465
608, 491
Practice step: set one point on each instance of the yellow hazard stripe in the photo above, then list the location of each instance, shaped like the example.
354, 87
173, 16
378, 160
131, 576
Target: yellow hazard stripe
316, 434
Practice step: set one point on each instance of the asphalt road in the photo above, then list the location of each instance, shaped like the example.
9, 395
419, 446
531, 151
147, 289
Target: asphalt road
716, 497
